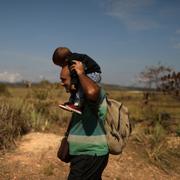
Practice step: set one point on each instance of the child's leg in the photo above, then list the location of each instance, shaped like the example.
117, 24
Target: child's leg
74, 87
78, 100
72, 98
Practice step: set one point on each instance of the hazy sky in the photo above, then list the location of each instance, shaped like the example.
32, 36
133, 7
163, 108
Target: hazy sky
123, 36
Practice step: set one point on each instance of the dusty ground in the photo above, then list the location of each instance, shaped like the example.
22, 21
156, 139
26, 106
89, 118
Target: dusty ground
35, 158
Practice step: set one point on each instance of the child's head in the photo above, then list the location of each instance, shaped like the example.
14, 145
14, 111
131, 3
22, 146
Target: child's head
60, 55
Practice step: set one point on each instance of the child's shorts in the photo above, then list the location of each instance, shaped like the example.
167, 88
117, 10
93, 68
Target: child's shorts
95, 76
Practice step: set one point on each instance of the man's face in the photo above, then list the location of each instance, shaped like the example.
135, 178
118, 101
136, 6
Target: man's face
65, 78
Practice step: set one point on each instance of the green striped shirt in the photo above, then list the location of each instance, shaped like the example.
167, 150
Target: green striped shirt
87, 135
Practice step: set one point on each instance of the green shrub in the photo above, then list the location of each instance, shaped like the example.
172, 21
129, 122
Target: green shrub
178, 130
39, 121
4, 90
41, 94
14, 122
154, 145
18, 116
158, 134
42, 107
48, 169
150, 114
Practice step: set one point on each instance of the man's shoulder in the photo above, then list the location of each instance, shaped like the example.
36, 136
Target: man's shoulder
101, 97
102, 93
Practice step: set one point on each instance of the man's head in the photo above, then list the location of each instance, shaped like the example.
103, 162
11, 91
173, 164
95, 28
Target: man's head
60, 55
65, 78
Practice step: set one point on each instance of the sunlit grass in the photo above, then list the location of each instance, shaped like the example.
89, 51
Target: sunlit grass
36, 109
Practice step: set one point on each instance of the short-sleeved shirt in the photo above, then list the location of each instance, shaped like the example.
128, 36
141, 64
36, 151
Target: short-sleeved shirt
87, 135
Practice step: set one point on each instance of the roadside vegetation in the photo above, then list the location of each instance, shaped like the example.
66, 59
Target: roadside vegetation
156, 119
156, 126
25, 109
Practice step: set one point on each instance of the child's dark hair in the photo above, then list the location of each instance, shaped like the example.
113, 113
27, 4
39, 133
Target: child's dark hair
60, 54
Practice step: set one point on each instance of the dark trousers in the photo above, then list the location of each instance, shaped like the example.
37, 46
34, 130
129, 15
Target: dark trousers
85, 167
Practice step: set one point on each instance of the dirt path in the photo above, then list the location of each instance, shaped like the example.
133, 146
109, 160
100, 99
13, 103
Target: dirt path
35, 158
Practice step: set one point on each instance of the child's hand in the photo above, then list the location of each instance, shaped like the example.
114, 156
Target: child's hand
78, 67
73, 87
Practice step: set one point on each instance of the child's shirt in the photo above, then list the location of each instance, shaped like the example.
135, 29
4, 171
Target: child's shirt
89, 64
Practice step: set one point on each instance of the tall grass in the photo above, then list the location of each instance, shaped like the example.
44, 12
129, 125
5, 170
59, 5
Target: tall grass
14, 121
37, 109
155, 122
155, 129
33, 109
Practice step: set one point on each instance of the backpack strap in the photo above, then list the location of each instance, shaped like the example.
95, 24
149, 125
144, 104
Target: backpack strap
68, 127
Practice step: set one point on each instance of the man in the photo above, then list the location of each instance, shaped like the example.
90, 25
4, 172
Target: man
87, 141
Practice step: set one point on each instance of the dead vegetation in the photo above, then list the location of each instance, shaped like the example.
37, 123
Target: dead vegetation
153, 149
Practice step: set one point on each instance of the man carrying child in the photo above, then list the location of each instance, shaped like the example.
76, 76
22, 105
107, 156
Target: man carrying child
88, 147
63, 56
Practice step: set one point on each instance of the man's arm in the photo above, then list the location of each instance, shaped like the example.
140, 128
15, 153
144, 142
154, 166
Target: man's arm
90, 88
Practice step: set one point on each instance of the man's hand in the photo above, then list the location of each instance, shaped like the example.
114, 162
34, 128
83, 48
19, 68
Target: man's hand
90, 88
78, 67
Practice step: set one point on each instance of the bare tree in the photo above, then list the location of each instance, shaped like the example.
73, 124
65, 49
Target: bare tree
151, 76
171, 83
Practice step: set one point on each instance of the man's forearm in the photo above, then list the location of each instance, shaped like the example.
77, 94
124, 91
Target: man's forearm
90, 88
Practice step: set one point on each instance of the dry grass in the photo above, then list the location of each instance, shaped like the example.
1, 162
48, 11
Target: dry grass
28, 109
155, 122
37, 109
